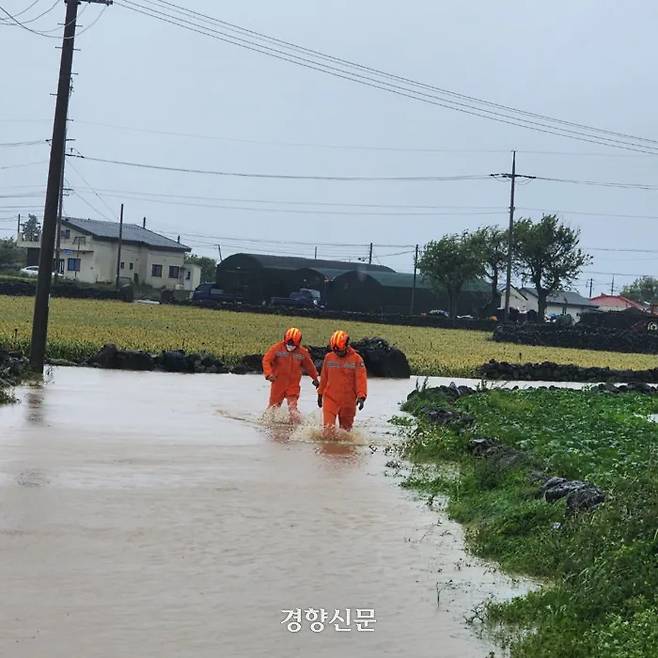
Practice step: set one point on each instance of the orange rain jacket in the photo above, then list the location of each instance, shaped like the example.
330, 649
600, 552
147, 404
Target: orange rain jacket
287, 368
343, 379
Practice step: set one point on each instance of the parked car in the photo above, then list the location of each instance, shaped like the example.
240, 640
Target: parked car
302, 298
439, 311
32, 270
207, 292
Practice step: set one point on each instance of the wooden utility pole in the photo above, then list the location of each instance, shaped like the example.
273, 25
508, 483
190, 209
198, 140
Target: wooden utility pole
57, 147
119, 247
370, 255
413, 287
18, 228
219, 248
510, 236
591, 285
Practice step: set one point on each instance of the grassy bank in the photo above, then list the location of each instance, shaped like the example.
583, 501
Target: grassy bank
79, 327
600, 566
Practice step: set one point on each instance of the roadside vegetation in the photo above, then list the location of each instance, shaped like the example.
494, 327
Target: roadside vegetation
599, 566
78, 328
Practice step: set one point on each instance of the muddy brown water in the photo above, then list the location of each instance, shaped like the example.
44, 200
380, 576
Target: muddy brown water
155, 516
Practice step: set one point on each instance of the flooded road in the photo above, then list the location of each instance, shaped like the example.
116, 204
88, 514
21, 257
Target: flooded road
151, 515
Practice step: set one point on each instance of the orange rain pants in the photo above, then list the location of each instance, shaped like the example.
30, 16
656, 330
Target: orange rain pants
342, 382
287, 369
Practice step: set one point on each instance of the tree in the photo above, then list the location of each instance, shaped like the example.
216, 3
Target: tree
208, 266
450, 262
12, 257
31, 229
493, 245
644, 289
547, 254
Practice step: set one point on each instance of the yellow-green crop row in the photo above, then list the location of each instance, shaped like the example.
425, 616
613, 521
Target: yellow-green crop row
79, 327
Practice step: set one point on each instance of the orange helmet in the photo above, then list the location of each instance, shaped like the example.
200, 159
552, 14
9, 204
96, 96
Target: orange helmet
339, 341
293, 336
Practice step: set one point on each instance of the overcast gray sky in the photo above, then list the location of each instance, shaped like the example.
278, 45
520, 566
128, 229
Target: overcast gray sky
591, 61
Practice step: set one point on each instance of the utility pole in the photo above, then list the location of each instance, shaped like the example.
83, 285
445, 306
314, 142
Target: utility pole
119, 248
316, 253
219, 247
57, 147
591, 284
370, 255
510, 232
413, 288
612, 287
144, 222
18, 228
58, 237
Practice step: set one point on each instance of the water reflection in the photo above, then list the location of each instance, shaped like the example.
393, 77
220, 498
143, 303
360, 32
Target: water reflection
34, 405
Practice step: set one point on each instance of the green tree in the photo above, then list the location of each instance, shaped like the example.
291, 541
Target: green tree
31, 229
12, 257
493, 245
547, 253
208, 266
644, 289
450, 262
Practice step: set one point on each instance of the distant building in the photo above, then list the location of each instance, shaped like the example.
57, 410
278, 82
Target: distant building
259, 277
89, 253
342, 285
618, 303
565, 302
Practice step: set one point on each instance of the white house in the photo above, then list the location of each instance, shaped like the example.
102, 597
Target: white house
89, 252
563, 302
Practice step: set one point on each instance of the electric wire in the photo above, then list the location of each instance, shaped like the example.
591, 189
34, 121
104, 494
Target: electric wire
404, 91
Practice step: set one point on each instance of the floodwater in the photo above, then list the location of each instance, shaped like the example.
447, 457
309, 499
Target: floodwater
151, 515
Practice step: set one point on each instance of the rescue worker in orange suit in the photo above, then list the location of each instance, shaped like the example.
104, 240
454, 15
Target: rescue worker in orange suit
283, 365
343, 383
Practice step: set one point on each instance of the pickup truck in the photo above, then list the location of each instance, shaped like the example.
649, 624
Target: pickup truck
208, 293
303, 298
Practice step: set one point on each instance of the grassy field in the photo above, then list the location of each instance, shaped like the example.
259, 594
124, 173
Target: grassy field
601, 566
79, 327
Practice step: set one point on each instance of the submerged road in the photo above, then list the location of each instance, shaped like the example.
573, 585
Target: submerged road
151, 515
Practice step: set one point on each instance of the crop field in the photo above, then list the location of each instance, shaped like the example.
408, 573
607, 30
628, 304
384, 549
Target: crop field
79, 327
598, 566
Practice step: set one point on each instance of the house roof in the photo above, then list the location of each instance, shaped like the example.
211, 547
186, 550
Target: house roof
132, 233
297, 263
618, 301
329, 273
406, 280
569, 297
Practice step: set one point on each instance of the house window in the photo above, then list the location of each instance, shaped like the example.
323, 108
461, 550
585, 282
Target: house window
65, 233
188, 275
122, 265
73, 264
156, 271
131, 266
60, 266
174, 271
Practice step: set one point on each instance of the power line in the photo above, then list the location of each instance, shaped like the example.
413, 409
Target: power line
113, 191
400, 179
22, 11
466, 104
44, 33
347, 147
593, 214
33, 142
